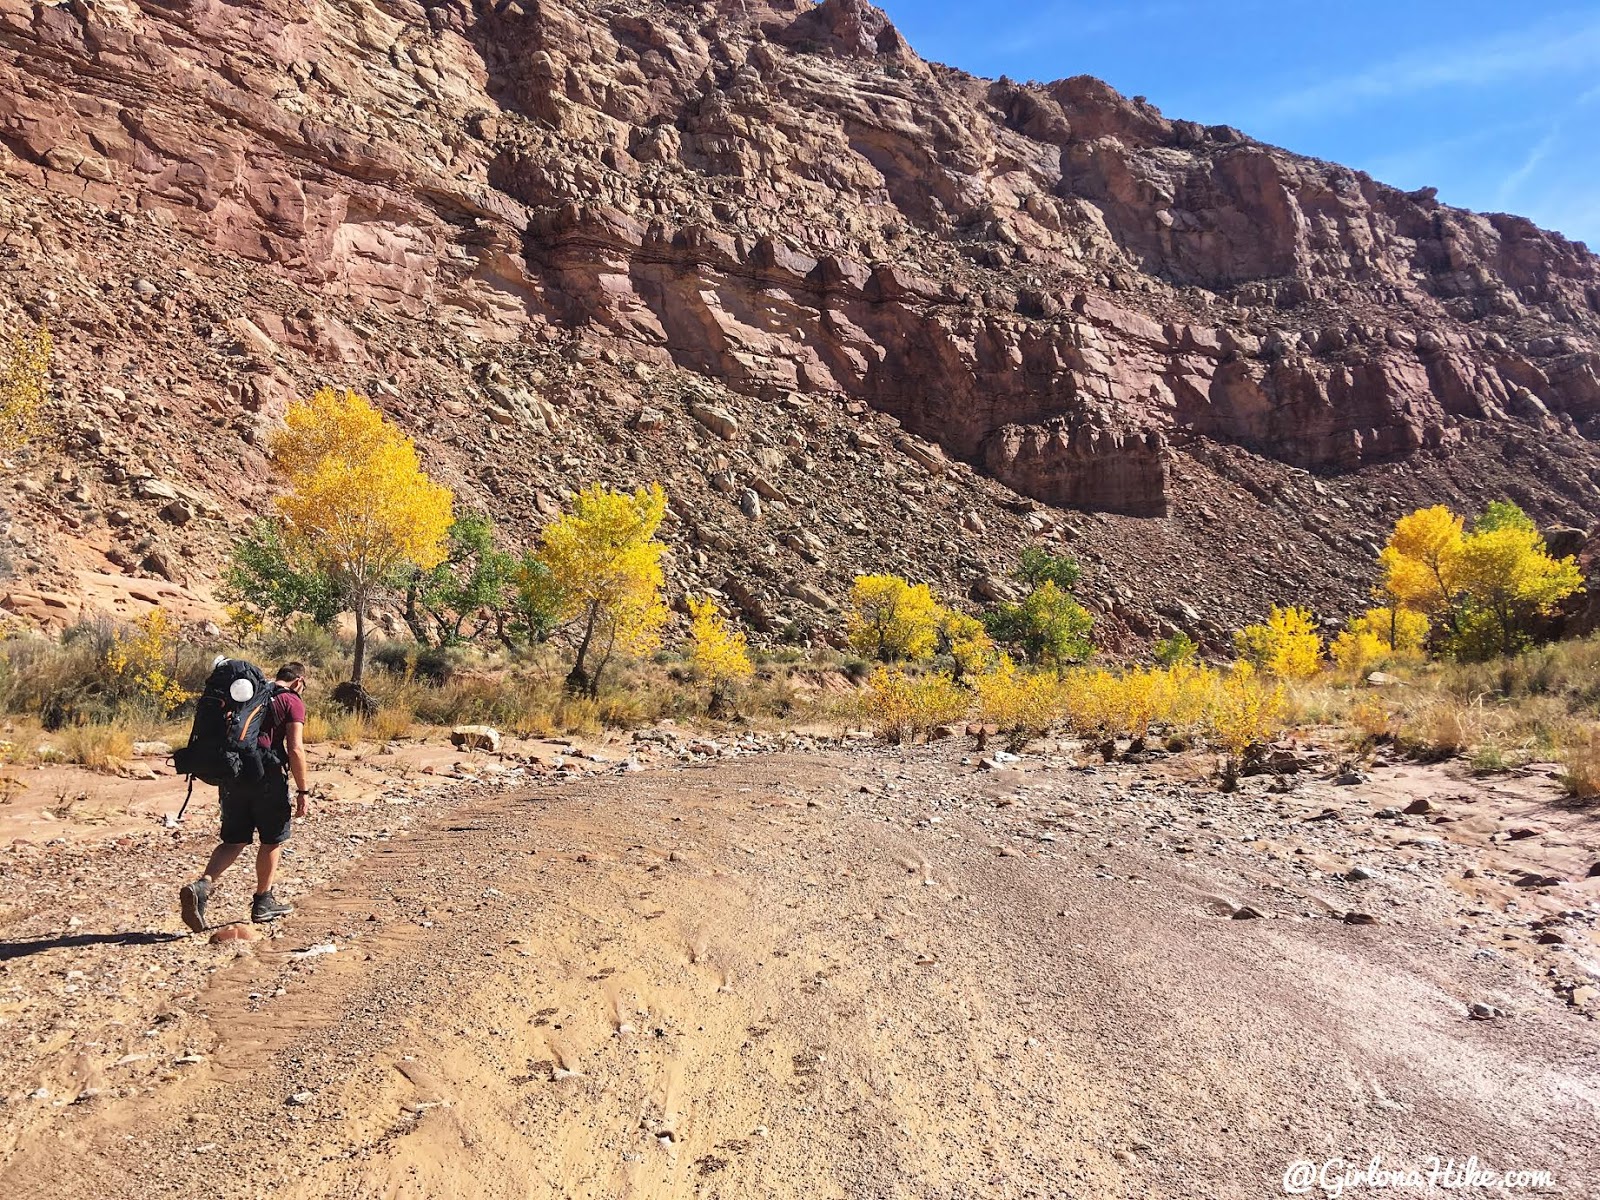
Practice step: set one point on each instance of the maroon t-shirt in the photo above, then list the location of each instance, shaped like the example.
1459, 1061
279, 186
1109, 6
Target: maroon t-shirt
287, 709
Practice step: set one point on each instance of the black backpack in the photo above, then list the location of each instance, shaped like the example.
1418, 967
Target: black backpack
224, 744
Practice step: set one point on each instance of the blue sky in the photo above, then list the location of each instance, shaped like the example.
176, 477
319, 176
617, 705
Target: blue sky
1495, 104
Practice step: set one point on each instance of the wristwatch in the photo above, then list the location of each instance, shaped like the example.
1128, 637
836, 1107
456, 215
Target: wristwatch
302, 791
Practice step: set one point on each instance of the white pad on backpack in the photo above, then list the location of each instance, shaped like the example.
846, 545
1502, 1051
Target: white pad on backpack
241, 690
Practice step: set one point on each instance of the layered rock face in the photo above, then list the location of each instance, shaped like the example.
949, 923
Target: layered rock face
1056, 285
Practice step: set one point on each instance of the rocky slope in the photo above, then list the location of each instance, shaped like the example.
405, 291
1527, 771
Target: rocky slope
852, 308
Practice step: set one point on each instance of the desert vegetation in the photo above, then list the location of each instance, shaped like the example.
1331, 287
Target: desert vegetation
574, 631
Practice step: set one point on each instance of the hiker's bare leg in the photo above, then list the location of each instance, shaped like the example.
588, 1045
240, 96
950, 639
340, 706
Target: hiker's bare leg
223, 857
266, 866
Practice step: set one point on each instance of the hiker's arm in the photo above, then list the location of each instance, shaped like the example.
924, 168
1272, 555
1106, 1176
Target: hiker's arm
295, 749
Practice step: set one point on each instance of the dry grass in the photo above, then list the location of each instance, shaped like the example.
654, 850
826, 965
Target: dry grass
97, 747
1500, 715
1582, 760
390, 724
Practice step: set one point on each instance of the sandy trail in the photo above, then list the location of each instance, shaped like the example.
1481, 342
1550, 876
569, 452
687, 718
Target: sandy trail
781, 976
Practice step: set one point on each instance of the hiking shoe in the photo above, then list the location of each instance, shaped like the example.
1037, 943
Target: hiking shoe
267, 907
192, 899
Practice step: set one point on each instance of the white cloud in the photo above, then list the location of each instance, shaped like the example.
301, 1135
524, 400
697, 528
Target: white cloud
1540, 151
1545, 50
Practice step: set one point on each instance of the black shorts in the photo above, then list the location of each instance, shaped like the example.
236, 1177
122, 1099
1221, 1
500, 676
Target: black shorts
251, 806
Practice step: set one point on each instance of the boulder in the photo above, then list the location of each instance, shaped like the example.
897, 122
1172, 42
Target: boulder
717, 419
476, 737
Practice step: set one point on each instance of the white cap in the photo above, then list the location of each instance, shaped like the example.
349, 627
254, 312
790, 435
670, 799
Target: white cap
241, 690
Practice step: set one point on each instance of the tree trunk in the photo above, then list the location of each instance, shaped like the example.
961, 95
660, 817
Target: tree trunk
600, 667
578, 681
360, 662
415, 620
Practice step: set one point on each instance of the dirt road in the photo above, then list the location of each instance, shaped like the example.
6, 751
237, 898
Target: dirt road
846, 974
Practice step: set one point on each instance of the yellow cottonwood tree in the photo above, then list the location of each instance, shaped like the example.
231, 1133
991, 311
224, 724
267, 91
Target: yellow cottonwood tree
892, 620
1508, 576
1485, 582
1421, 558
720, 652
24, 381
605, 569
359, 505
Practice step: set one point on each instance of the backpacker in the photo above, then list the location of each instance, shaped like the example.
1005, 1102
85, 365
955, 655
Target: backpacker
224, 744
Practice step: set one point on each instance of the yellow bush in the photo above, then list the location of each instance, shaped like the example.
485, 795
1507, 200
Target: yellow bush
1286, 644
1245, 710
899, 706
891, 620
718, 651
1021, 703
24, 384
1370, 719
1378, 636
1086, 700
141, 662
1190, 690
1102, 704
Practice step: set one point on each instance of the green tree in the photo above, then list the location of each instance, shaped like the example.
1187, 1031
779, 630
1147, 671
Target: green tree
1036, 567
1177, 650
263, 575
469, 586
1049, 628
533, 603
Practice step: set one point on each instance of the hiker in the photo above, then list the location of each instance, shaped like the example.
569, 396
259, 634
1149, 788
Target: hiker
259, 804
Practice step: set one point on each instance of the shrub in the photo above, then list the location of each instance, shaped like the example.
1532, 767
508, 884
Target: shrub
1370, 719
1581, 777
1286, 644
142, 664
1245, 711
302, 640
1440, 727
97, 747
1021, 704
1179, 648
899, 706
436, 665
1379, 637
390, 724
